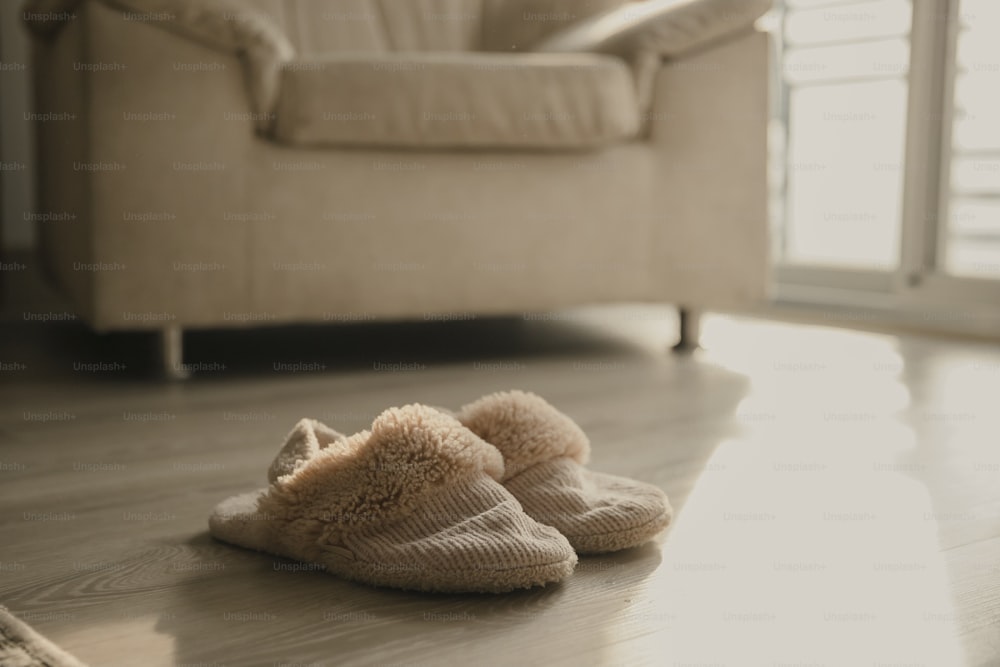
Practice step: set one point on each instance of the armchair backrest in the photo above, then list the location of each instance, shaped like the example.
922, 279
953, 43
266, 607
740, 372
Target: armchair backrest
331, 26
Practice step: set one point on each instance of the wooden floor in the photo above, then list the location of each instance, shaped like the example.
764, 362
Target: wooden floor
837, 495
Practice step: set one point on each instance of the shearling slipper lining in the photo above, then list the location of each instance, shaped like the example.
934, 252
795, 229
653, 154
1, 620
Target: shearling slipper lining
526, 430
414, 503
543, 453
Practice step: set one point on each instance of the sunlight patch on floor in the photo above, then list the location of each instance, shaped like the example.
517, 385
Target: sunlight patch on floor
800, 566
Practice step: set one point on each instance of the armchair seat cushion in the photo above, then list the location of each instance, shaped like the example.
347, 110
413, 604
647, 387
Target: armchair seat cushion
467, 100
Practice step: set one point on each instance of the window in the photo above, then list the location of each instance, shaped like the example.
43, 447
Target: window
972, 232
885, 155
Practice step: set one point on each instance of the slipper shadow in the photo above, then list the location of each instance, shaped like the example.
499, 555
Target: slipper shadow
311, 617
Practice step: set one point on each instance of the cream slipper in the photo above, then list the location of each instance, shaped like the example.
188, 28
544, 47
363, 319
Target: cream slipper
415, 503
544, 452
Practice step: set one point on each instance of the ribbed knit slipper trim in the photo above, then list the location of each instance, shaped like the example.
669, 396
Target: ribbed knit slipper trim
414, 503
602, 543
470, 537
543, 450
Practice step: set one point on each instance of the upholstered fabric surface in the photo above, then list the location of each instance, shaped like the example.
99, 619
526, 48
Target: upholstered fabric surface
188, 218
520, 25
315, 27
318, 27
457, 100
646, 33
667, 28
226, 25
267, 34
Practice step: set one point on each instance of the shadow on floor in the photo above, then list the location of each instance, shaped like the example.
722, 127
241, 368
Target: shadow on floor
65, 349
322, 619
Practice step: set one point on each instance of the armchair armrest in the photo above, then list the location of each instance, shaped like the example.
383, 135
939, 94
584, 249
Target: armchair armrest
226, 25
665, 28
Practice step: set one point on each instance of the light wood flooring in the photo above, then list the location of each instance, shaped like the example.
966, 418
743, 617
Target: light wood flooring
836, 493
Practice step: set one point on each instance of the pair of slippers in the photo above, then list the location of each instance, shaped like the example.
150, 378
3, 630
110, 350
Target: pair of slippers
492, 498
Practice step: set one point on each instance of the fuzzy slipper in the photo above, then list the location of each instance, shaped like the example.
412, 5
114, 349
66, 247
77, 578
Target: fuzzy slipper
415, 503
544, 452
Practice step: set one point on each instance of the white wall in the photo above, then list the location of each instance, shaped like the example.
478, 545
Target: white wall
16, 134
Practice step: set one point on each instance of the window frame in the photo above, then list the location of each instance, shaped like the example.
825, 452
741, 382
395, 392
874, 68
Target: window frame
917, 292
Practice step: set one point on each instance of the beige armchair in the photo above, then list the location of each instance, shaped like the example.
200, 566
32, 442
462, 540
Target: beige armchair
232, 163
